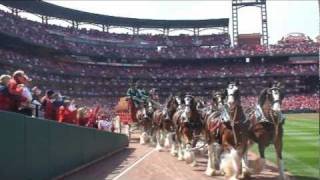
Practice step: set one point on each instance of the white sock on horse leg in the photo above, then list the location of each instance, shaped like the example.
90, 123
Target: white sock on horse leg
281, 169
173, 151
180, 153
210, 164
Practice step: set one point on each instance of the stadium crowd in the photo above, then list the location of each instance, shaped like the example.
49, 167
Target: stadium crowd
16, 95
72, 67
66, 89
76, 79
93, 42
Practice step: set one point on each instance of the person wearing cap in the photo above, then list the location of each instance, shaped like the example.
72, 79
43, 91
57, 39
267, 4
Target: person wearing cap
6, 101
16, 88
143, 95
134, 94
154, 94
17, 82
135, 99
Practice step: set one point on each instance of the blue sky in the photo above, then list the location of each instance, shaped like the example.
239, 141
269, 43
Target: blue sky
284, 16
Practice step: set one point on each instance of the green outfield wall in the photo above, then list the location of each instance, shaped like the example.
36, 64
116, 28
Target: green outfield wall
35, 149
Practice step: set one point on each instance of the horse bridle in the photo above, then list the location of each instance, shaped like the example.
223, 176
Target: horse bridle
270, 93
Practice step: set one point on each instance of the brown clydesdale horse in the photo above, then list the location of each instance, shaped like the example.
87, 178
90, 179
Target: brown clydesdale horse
270, 130
229, 129
144, 117
212, 122
188, 125
162, 120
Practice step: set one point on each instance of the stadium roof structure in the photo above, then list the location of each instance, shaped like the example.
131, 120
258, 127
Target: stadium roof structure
50, 10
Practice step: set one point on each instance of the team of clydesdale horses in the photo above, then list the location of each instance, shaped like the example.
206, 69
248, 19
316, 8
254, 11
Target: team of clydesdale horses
224, 127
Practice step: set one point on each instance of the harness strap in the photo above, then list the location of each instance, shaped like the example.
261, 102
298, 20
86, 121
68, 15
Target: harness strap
232, 126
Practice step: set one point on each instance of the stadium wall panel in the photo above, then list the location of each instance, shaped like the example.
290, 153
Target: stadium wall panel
34, 148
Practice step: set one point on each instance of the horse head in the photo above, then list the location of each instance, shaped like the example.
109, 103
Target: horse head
190, 108
200, 103
232, 93
273, 97
218, 98
149, 108
191, 123
173, 103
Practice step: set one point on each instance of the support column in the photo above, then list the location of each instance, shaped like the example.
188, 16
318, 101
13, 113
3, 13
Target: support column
235, 30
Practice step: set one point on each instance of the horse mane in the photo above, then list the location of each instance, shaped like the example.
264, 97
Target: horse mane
194, 103
237, 96
263, 96
169, 99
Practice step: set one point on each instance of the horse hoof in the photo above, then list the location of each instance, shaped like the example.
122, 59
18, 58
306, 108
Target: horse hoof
174, 154
180, 158
245, 175
159, 149
210, 172
193, 164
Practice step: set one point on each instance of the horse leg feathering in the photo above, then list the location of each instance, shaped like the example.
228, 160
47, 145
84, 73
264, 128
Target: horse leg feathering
230, 164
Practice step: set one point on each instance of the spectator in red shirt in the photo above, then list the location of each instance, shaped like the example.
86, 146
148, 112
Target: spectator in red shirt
6, 103
47, 106
67, 113
93, 113
82, 116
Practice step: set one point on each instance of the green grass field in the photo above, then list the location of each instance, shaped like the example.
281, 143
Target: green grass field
301, 146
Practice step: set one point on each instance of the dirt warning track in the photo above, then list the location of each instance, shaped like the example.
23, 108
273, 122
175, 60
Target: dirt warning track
143, 162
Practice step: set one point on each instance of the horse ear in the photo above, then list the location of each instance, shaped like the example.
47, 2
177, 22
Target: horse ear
269, 84
225, 93
212, 93
237, 82
268, 91
262, 96
278, 84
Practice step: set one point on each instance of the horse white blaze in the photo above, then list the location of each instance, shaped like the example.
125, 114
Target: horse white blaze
185, 113
165, 113
231, 90
179, 102
144, 112
187, 100
150, 108
219, 100
276, 98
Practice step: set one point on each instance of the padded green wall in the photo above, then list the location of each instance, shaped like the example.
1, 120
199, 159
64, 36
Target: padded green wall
41, 149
